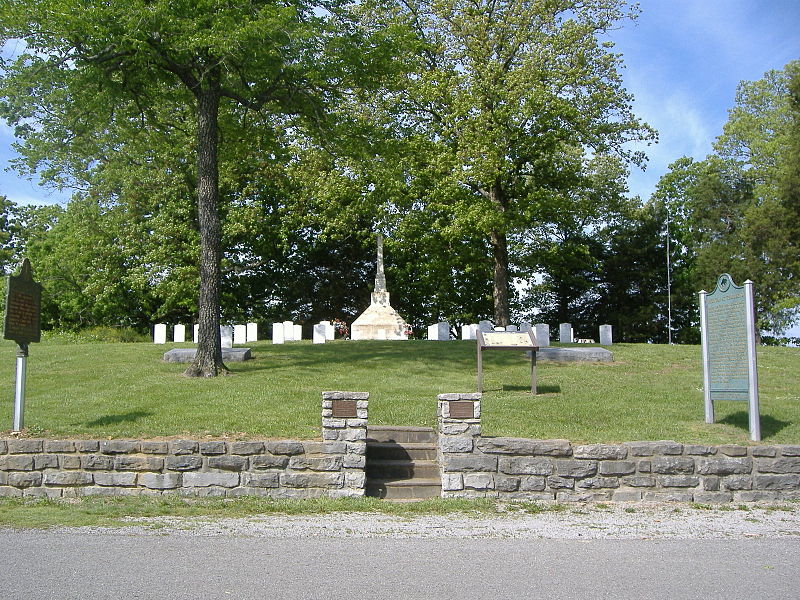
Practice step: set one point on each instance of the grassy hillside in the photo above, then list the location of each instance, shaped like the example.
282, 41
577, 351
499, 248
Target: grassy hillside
649, 392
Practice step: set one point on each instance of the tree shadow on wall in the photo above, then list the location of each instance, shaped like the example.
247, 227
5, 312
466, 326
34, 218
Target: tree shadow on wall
770, 426
131, 416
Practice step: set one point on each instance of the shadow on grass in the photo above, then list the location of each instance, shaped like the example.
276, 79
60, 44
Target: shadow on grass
770, 426
541, 389
134, 415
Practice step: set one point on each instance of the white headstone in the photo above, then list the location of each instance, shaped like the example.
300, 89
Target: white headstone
196, 336
330, 330
252, 332
512, 328
605, 335
485, 326
239, 334
179, 334
565, 333
288, 331
226, 335
469, 332
298, 333
381, 334
319, 333
498, 328
542, 334
160, 333
440, 331
525, 326
277, 333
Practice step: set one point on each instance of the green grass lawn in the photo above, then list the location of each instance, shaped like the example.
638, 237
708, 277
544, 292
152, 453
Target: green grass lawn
650, 392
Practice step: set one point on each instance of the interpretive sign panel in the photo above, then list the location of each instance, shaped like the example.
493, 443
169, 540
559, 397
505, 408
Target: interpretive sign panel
727, 322
501, 339
523, 340
23, 307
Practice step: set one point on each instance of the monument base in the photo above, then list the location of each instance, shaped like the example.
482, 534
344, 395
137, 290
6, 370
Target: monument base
564, 355
186, 355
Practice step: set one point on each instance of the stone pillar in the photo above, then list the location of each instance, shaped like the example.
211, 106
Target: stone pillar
565, 333
277, 333
160, 333
179, 334
605, 335
344, 422
252, 332
542, 334
459, 420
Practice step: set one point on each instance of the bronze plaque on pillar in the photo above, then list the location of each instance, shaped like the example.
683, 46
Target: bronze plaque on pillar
462, 409
344, 409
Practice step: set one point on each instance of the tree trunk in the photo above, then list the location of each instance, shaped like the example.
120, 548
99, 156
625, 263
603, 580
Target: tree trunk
499, 244
500, 290
208, 361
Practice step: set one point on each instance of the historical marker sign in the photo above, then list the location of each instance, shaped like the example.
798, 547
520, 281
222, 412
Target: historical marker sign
727, 322
23, 307
523, 340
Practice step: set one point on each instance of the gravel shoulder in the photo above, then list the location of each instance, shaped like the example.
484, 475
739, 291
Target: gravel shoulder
581, 522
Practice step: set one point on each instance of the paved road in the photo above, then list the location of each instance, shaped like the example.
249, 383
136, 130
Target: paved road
90, 565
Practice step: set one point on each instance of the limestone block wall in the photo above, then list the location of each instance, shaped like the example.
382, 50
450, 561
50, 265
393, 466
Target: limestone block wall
333, 467
527, 469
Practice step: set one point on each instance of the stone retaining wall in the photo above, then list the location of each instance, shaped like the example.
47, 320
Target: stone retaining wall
333, 467
526, 469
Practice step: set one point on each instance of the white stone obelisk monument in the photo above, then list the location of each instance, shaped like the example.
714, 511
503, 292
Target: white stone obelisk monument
380, 321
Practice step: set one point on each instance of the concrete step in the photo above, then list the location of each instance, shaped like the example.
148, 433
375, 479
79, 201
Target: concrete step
395, 451
401, 435
409, 489
392, 470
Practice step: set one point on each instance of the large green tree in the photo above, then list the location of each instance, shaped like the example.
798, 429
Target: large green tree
738, 208
504, 98
99, 69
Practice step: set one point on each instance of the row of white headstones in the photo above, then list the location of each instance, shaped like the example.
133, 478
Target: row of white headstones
441, 331
230, 334
287, 331
242, 334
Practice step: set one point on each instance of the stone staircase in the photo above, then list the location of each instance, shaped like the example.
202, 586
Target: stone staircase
401, 463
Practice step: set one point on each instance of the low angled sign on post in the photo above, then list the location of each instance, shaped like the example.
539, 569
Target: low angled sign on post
524, 340
22, 324
728, 336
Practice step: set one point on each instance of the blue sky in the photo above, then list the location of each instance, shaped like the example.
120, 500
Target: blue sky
684, 59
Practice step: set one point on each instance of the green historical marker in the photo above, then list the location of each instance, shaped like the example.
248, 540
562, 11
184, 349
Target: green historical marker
727, 323
22, 324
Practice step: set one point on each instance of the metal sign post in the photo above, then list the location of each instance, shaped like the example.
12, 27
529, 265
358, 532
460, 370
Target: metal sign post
22, 324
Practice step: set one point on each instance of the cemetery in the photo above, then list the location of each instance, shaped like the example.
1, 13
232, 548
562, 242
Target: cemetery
596, 430
523, 346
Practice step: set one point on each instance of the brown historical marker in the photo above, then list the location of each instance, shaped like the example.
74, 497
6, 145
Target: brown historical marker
462, 409
23, 307
344, 409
